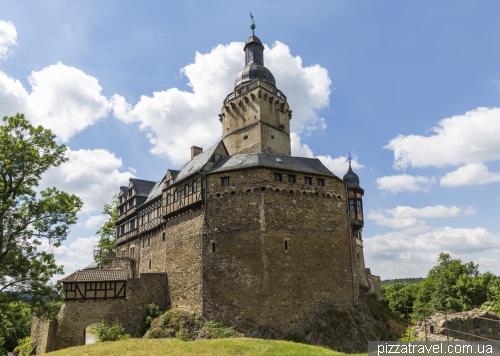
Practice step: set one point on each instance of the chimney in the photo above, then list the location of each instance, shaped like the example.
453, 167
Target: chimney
195, 151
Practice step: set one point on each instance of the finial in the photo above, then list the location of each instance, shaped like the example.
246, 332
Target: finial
253, 25
349, 159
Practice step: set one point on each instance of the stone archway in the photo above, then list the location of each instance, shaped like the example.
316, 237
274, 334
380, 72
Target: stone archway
88, 336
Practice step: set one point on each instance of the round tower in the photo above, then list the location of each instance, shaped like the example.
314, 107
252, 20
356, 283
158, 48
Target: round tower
256, 117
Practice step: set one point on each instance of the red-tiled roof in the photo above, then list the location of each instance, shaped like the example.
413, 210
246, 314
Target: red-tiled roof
96, 275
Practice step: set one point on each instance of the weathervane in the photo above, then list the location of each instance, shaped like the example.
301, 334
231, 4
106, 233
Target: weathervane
253, 24
349, 158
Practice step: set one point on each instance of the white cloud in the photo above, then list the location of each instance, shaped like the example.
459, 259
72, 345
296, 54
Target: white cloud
95, 221
398, 254
461, 139
93, 175
470, 174
175, 120
74, 255
402, 182
406, 216
8, 37
63, 99
338, 166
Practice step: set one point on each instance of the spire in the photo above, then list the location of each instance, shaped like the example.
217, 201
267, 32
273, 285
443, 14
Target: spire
254, 61
351, 178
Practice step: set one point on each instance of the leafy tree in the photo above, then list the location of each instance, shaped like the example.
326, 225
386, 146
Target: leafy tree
27, 216
107, 232
15, 324
398, 296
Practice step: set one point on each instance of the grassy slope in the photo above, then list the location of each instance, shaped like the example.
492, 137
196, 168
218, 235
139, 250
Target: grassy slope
219, 347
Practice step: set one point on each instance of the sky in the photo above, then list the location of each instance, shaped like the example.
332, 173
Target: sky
411, 89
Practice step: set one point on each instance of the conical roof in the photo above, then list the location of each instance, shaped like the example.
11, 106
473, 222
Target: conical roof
351, 179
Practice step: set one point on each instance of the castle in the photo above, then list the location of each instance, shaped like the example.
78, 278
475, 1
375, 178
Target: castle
244, 233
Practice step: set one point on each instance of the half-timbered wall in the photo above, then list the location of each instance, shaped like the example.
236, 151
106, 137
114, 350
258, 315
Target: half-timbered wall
94, 290
150, 216
182, 194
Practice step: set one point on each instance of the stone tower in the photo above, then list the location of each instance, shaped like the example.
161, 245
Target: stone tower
256, 116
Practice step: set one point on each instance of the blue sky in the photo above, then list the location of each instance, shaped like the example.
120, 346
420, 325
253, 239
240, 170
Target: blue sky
411, 88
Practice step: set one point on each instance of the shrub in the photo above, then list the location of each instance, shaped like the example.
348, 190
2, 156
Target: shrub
181, 334
296, 337
25, 346
215, 330
109, 333
152, 311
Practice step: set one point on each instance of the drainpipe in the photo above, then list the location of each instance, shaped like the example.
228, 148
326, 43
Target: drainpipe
350, 245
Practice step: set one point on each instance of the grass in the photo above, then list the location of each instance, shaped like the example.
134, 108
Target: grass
219, 347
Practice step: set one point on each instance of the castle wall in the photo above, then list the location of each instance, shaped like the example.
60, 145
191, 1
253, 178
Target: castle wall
75, 316
251, 279
43, 334
183, 260
152, 249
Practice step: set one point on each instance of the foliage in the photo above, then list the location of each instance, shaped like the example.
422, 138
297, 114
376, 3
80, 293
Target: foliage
107, 232
388, 282
15, 324
296, 337
219, 347
410, 335
152, 311
181, 334
28, 217
215, 330
25, 346
451, 285
105, 332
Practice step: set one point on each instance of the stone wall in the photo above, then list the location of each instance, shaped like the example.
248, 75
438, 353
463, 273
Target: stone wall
282, 250
183, 260
43, 334
75, 316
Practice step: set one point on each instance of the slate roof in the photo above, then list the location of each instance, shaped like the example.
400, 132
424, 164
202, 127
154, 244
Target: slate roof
195, 164
97, 275
156, 191
142, 187
352, 179
124, 190
93, 265
173, 174
288, 163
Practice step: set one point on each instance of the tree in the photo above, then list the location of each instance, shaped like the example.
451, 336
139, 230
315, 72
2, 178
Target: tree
28, 217
107, 232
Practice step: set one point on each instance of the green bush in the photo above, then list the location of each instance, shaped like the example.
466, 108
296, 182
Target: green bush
215, 330
114, 332
296, 337
25, 346
152, 311
181, 334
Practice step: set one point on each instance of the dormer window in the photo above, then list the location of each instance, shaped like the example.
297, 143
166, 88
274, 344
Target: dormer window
130, 192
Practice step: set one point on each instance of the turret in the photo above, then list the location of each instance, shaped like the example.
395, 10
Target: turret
355, 196
256, 117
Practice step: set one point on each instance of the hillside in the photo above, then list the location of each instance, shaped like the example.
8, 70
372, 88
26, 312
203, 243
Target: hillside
219, 347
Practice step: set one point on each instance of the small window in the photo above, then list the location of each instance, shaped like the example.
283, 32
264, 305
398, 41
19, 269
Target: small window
278, 177
175, 195
150, 263
291, 178
149, 241
143, 242
158, 211
195, 186
132, 225
308, 180
286, 245
321, 182
225, 181
212, 247
163, 236
186, 190
168, 199
130, 203
130, 192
